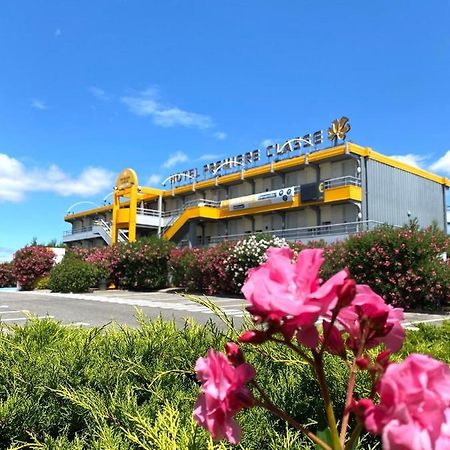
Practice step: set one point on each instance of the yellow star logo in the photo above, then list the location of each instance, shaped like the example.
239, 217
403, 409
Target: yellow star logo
339, 129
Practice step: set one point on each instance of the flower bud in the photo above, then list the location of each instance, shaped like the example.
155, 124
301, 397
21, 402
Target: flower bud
253, 337
383, 359
346, 293
363, 362
234, 353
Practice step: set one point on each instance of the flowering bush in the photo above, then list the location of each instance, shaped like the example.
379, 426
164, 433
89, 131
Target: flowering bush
249, 253
202, 269
404, 265
286, 300
6, 275
142, 265
31, 263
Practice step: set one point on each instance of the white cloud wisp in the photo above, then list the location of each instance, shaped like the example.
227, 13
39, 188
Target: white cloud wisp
146, 104
411, 159
16, 180
442, 165
38, 104
175, 159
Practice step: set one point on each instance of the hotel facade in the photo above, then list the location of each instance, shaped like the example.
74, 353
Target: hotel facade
307, 188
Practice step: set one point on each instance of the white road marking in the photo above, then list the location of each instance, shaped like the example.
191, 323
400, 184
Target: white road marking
10, 312
76, 324
26, 318
415, 322
172, 303
4, 306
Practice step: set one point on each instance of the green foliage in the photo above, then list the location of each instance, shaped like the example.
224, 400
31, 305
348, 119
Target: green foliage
42, 283
143, 265
73, 275
120, 388
31, 263
7, 278
404, 265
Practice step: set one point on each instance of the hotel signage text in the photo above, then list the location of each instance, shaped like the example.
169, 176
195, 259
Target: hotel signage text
310, 140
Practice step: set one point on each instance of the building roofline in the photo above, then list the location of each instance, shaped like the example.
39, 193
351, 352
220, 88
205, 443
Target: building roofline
149, 193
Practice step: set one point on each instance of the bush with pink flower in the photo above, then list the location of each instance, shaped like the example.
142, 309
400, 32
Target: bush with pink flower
408, 403
6, 275
407, 265
31, 263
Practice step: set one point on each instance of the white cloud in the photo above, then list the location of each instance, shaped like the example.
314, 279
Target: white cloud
146, 104
221, 135
154, 180
175, 159
99, 93
16, 180
38, 104
209, 157
442, 165
411, 159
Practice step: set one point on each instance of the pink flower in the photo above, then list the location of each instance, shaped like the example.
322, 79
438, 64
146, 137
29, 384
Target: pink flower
223, 395
368, 313
291, 294
414, 409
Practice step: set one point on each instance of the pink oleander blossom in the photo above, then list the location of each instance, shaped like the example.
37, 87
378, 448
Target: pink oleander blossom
223, 395
291, 293
369, 313
414, 408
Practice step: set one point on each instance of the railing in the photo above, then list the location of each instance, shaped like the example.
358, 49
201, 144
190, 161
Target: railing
319, 231
341, 181
77, 231
174, 214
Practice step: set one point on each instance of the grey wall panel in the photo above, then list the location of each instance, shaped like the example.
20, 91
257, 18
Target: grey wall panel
392, 193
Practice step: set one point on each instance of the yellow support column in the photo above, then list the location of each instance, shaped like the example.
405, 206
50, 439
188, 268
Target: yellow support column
115, 213
133, 213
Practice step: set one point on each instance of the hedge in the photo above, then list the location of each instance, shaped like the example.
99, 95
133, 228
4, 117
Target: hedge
73, 388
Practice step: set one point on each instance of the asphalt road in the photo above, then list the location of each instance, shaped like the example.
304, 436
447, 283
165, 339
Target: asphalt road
103, 307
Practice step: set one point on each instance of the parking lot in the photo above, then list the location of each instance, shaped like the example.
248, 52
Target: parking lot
102, 307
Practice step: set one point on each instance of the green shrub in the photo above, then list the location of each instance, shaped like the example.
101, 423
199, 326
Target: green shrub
73, 275
404, 265
143, 265
73, 388
7, 278
42, 283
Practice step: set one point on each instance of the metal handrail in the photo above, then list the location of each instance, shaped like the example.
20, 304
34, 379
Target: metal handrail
77, 231
306, 232
341, 181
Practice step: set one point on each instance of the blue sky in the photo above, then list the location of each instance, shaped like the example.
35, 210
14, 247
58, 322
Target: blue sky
89, 87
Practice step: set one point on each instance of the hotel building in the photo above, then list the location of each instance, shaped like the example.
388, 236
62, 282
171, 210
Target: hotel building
296, 189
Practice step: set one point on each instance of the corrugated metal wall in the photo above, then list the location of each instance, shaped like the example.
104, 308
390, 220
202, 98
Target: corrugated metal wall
392, 193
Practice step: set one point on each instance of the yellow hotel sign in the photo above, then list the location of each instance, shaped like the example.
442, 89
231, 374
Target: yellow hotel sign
126, 179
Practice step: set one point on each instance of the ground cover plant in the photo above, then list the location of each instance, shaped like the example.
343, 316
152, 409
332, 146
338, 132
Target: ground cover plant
111, 388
